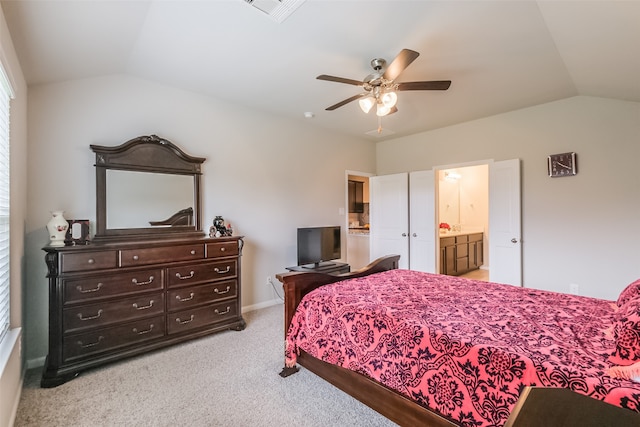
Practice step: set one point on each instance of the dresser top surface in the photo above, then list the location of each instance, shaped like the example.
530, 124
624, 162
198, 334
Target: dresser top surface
128, 244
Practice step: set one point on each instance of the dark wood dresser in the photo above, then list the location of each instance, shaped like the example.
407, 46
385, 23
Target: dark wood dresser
113, 300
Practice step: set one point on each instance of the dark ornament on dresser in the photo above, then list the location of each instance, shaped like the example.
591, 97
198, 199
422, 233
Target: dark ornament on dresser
219, 229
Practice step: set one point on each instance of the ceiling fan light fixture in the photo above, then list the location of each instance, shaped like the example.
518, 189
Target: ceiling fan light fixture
367, 103
382, 110
389, 99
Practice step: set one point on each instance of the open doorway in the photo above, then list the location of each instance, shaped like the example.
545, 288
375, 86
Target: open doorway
357, 224
463, 221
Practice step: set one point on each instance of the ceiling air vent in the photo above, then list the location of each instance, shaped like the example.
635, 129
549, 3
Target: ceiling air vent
278, 10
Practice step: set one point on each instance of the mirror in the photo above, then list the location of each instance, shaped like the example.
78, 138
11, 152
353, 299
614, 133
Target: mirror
146, 187
449, 196
138, 199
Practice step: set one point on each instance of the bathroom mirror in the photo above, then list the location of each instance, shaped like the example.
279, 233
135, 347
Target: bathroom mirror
449, 197
146, 188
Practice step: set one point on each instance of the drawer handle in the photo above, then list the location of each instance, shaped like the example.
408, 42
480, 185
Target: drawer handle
185, 277
136, 257
191, 295
144, 307
93, 344
222, 249
90, 317
222, 292
84, 291
135, 281
193, 251
217, 270
216, 311
91, 261
184, 322
135, 330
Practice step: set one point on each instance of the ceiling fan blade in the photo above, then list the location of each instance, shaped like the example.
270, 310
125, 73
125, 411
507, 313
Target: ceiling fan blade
402, 61
346, 101
339, 80
430, 85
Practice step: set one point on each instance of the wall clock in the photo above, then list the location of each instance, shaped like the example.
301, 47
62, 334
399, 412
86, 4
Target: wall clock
563, 164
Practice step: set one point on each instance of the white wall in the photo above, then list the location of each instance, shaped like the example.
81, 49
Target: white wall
265, 175
11, 360
582, 229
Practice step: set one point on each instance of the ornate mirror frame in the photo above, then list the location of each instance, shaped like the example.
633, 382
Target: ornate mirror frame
148, 154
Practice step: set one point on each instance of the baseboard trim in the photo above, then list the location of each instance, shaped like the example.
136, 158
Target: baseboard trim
265, 304
38, 362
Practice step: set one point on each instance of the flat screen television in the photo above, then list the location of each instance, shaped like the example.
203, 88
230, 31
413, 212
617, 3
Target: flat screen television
317, 245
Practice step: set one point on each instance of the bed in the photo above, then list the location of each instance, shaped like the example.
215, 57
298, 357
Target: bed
428, 349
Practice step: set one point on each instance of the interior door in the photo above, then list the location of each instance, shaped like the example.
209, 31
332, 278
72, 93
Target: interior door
505, 246
389, 217
422, 221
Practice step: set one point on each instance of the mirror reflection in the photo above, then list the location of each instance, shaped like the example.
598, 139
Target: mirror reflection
449, 196
135, 199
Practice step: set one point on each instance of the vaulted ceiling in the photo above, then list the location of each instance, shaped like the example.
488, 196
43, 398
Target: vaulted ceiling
500, 55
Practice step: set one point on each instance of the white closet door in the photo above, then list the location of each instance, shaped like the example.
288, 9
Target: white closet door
422, 222
389, 217
505, 246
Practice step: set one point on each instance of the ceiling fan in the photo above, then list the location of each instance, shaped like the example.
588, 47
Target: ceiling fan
380, 87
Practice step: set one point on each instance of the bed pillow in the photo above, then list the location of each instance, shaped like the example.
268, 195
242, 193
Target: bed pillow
626, 355
631, 291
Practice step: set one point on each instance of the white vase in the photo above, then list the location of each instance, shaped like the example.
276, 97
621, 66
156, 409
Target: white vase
57, 227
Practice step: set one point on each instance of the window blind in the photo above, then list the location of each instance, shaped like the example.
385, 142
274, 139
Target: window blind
5, 98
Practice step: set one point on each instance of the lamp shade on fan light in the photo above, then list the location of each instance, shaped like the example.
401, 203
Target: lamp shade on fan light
367, 103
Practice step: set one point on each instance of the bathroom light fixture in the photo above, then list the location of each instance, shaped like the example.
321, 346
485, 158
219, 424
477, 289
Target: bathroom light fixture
451, 176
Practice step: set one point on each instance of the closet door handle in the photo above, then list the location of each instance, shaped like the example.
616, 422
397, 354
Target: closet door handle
415, 235
404, 234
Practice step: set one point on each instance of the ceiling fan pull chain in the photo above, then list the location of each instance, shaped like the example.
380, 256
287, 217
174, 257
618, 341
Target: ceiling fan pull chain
379, 124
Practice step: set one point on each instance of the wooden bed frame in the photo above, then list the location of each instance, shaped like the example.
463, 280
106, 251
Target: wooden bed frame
537, 406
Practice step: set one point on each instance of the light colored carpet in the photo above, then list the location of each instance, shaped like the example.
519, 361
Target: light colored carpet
227, 379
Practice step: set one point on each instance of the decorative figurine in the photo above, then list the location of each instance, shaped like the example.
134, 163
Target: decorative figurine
219, 229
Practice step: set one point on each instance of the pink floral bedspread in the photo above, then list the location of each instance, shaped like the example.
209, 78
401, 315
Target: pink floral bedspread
463, 348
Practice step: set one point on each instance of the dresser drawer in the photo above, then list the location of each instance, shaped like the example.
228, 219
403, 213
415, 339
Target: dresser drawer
447, 241
220, 249
97, 287
107, 313
202, 272
182, 298
475, 237
165, 254
198, 317
101, 340
87, 261
462, 239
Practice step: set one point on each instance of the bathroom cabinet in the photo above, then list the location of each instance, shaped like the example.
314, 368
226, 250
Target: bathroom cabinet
461, 253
